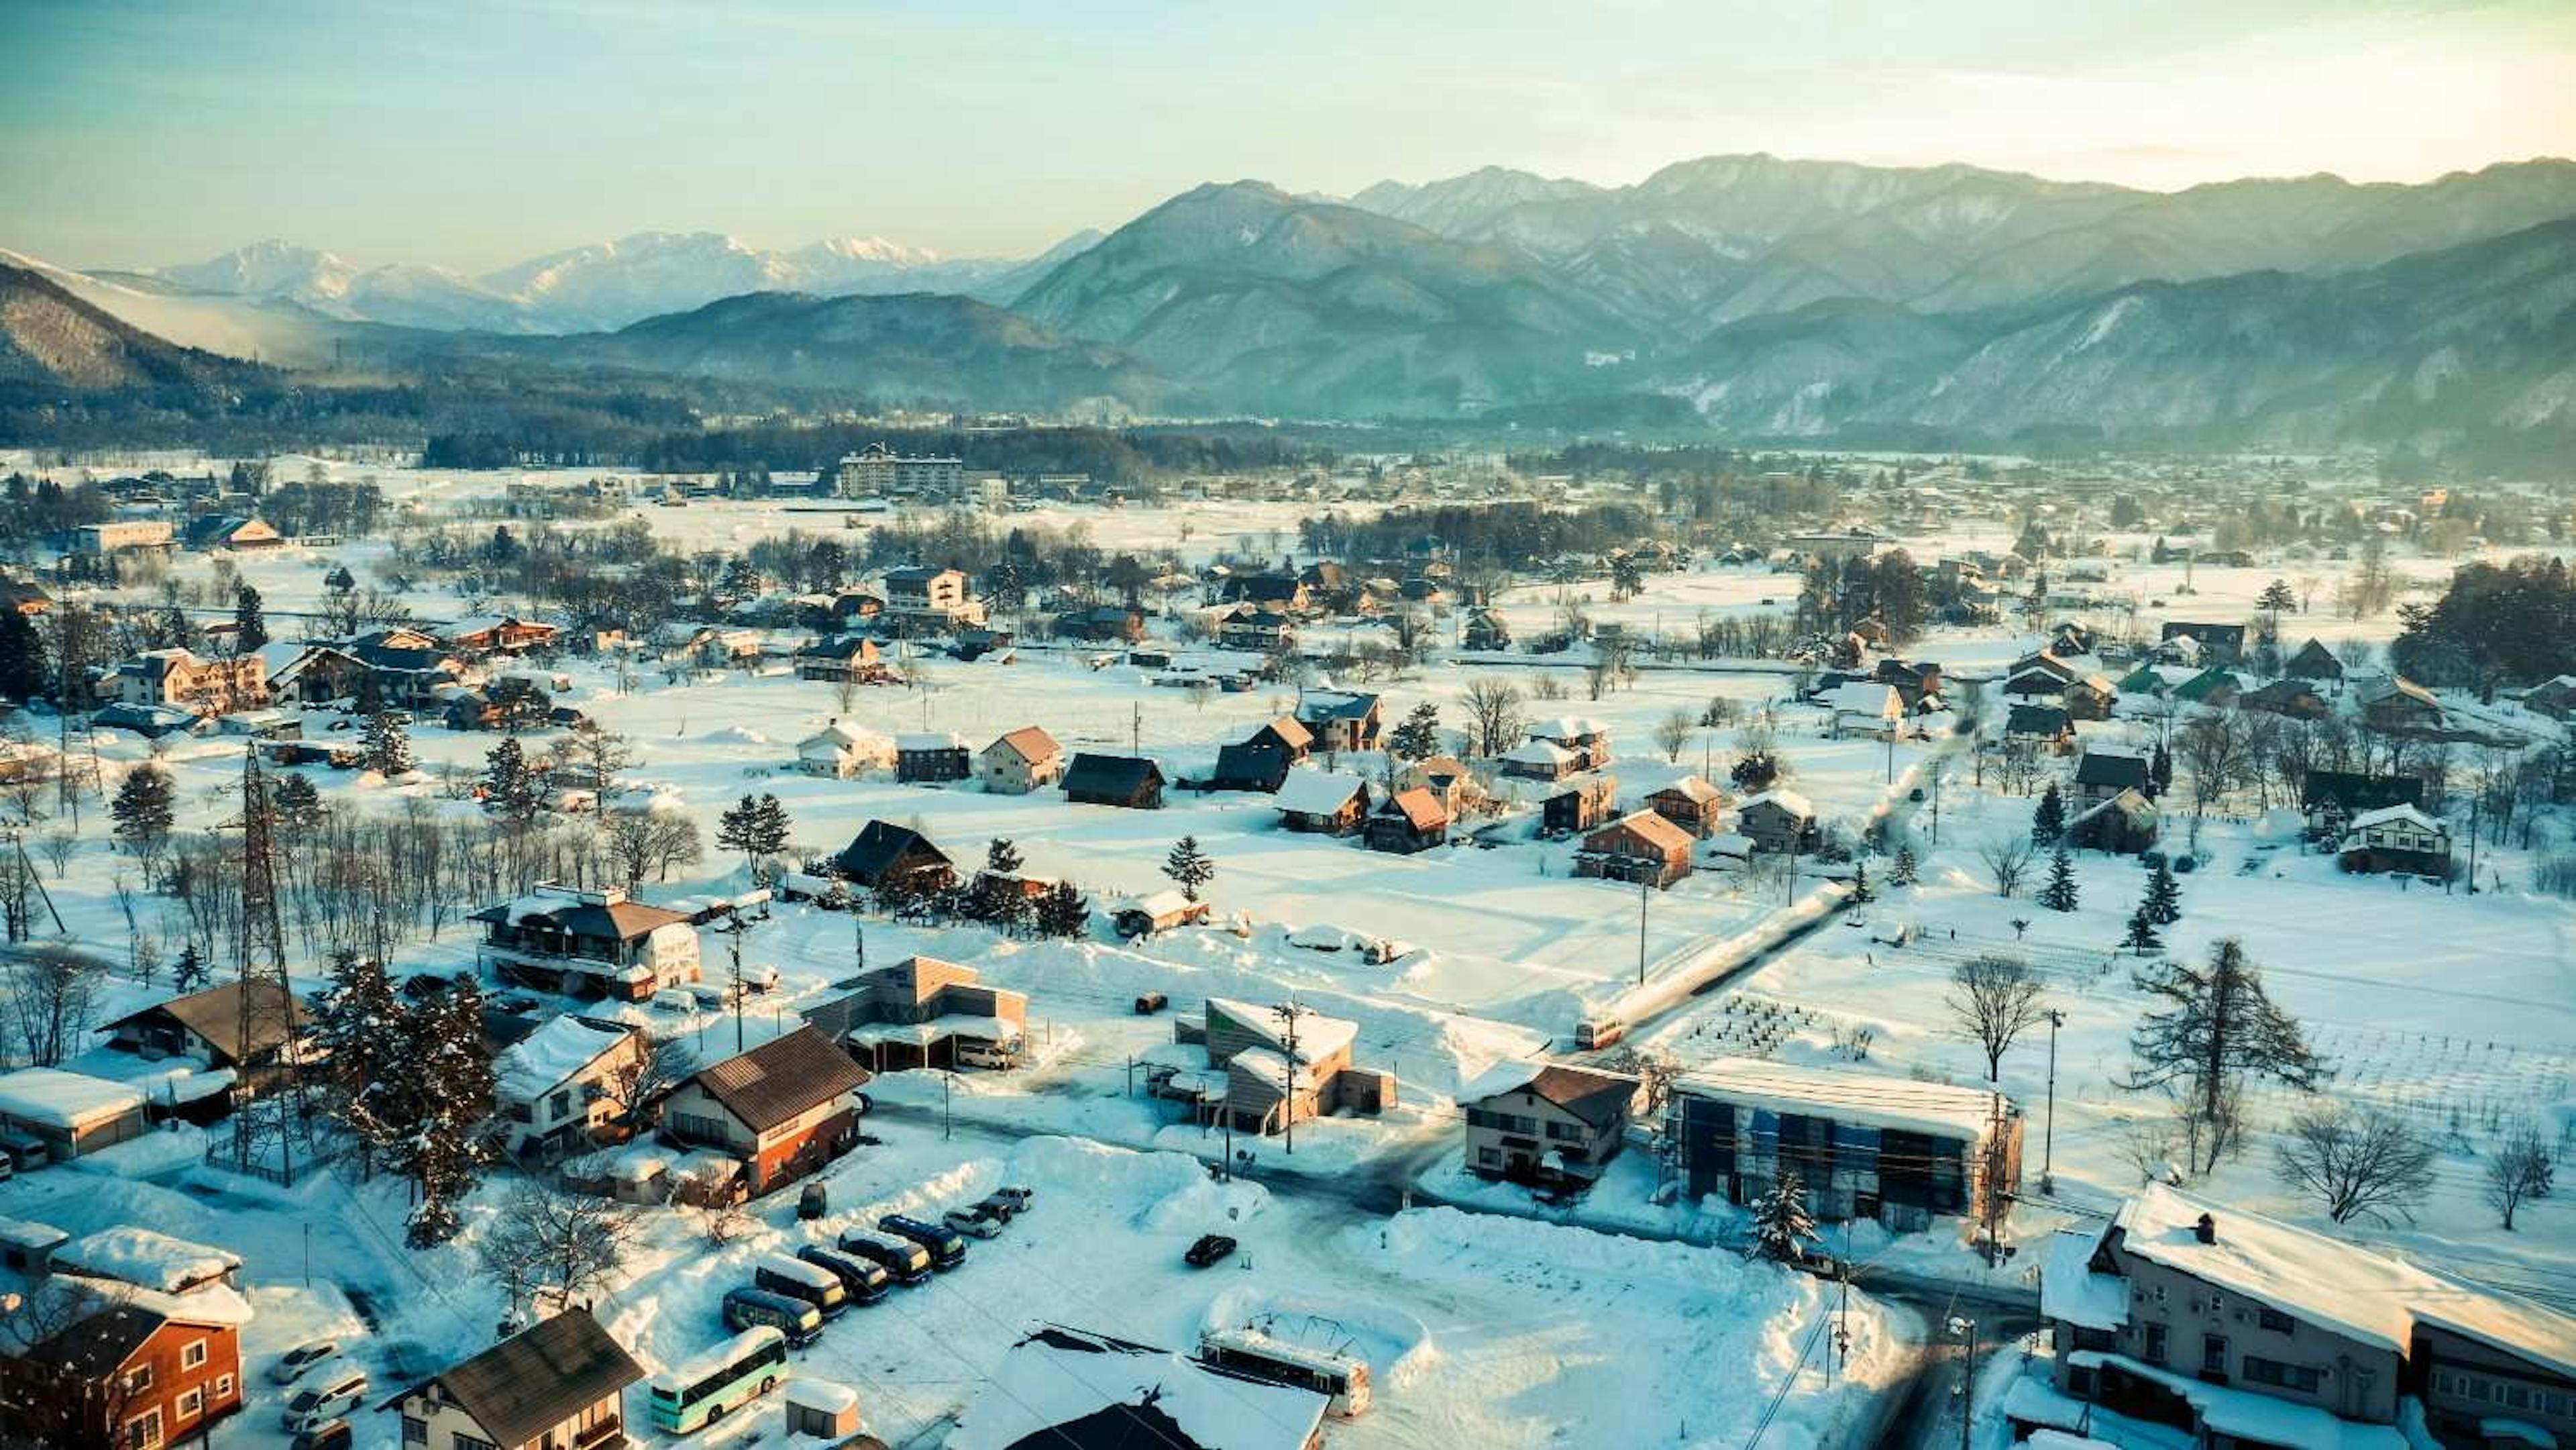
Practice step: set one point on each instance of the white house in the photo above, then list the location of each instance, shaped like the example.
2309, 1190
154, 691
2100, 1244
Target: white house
554, 1088
1866, 707
841, 751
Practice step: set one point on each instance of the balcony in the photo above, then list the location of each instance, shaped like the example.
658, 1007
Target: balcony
608, 1434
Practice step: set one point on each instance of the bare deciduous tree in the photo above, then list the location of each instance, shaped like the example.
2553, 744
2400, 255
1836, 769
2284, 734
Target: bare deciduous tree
1493, 714
2521, 1170
1674, 732
2357, 1165
2007, 859
1992, 999
547, 1242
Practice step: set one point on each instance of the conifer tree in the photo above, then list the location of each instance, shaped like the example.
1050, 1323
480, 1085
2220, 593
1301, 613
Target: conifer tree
1418, 736
1062, 913
2163, 902
23, 675
2216, 1027
2142, 936
1782, 1225
512, 788
387, 745
357, 1029
1861, 895
2061, 891
444, 1152
145, 806
250, 620
1903, 872
190, 973
2049, 821
1189, 867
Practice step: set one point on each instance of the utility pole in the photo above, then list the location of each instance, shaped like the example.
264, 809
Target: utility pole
1136, 729
735, 925
1966, 1329
1643, 890
2048, 1130
1286, 1012
947, 1121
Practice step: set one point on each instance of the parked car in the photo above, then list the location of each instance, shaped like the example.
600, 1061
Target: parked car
986, 1054
907, 1261
674, 999
947, 1248
866, 1280
339, 1393
979, 1221
1014, 1198
292, 1365
329, 1435
813, 1201
1210, 1249
1151, 1003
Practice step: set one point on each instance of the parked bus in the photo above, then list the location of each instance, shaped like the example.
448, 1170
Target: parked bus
691, 1396
801, 1322
1255, 1355
798, 1279
907, 1261
947, 1246
865, 1279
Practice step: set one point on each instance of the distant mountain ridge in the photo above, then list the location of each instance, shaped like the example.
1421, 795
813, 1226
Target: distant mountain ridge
53, 342
600, 286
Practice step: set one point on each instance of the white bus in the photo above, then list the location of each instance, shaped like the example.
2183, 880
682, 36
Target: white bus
1256, 1355
694, 1395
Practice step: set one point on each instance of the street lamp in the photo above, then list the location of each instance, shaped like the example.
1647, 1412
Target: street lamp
1965, 1329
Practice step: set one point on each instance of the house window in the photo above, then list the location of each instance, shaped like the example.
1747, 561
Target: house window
192, 1355
1489, 1157
2278, 1322
2300, 1377
469, 1442
223, 1388
143, 1432
2213, 1354
138, 1379
2154, 1352
415, 1430
191, 1404
560, 1105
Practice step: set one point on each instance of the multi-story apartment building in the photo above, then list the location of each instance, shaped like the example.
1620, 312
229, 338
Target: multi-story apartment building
190, 681
877, 471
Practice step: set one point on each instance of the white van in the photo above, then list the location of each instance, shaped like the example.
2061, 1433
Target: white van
330, 1398
971, 1053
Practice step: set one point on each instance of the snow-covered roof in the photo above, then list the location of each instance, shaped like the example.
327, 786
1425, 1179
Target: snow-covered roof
1787, 800
1537, 752
1568, 727
945, 1025
714, 1359
145, 1259
920, 740
830, 1397
1867, 697
2400, 814
2070, 1291
552, 1055
2352, 1290
2251, 1415
1872, 1099
70, 1101
1058, 1377
1317, 1035
1317, 792
22, 1233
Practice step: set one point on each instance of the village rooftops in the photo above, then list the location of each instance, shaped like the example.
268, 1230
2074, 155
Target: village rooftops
1318, 1036
2113, 769
1568, 727
1317, 792
1031, 743
1787, 800
1538, 752
70, 1101
1601, 1099
1863, 1098
2400, 814
146, 1259
1334, 705
783, 1077
554, 1054
1083, 1391
536, 1379
606, 914
2363, 1295
215, 1016
1420, 808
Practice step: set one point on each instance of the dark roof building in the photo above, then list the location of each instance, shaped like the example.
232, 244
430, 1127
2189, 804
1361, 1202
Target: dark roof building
1114, 780
883, 851
563, 1371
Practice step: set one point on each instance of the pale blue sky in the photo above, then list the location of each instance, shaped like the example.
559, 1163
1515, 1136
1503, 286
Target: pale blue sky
472, 134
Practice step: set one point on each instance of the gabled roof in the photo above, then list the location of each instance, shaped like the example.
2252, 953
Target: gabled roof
536, 1379
2113, 768
2399, 814
1111, 774
1289, 731
1599, 1098
1693, 789
781, 1078
1783, 799
2049, 720
1332, 705
621, 920
1647, 826
879, 845
100, 1344
1065, 1389
215, 1014
1318, 792
1420, 808
1029, 742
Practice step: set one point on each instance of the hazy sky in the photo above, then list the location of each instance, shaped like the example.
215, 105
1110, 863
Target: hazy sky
472, 134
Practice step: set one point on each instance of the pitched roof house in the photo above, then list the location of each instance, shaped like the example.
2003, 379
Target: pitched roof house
1131, 781
1545, 1121
1328, 802
560, 1382
1020, 761
783, 1108
1408, 821
887, 856
1640, 847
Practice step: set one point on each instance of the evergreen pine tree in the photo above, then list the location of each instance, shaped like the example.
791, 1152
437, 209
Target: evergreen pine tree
1418, 736
357, 1028
370, 699
2159, 773
190, 973
1782, 1225
1189, 867
2060, 892
146, 803
1002, 858
2163, 904
1902, 873
295, 804
388, 745
739, 829
2142, 936
23, 675
770, 825
1062, 913
1861, 895
2049, 821
512, 788
444, 1153
250, 621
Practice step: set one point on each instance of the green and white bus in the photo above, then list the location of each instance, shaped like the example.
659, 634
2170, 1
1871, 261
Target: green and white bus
694, 1395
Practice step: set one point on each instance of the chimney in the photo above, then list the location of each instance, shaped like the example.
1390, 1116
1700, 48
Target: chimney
2205, 1230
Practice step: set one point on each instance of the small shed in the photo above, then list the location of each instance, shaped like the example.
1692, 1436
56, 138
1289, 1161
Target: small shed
824, 1408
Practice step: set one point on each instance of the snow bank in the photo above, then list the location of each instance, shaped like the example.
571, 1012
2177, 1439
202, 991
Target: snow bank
174, 1150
